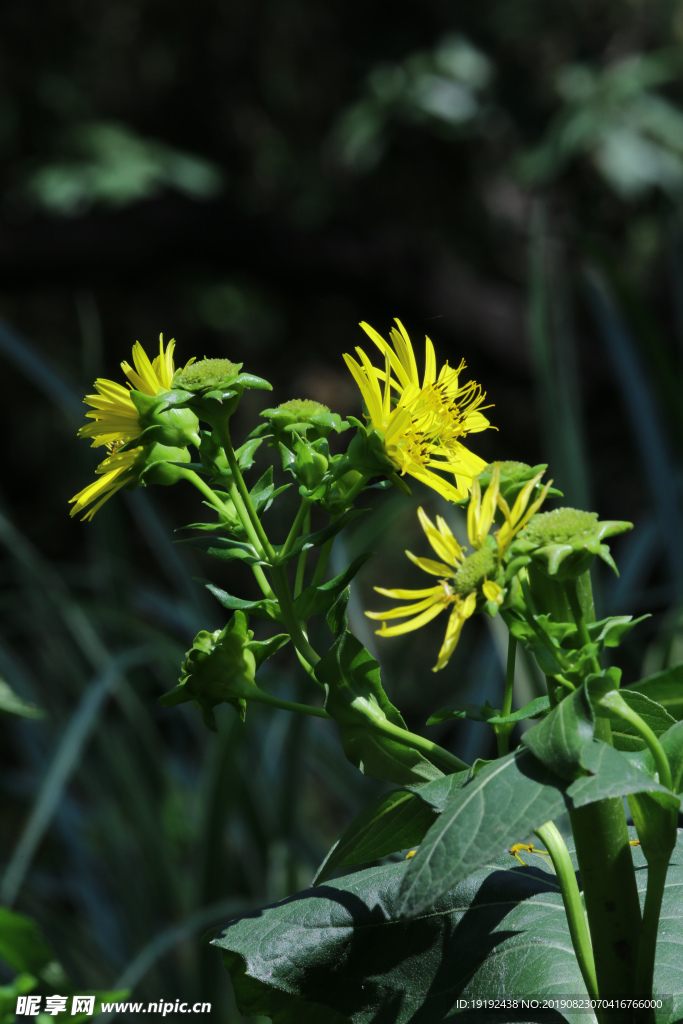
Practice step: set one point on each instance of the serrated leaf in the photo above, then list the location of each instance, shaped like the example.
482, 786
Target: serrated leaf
264, 649
666, 688
356, 700
245, 453
318, 600
500, 934
263, 493
264, 608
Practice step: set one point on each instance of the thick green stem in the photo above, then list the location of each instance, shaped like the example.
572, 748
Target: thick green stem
301, 561
243, 504
503, 731
571, 897
656, 879
577, 610
609, 889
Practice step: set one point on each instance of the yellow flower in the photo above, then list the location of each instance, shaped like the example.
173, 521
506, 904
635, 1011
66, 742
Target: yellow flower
116, 471
462, 578
421, 421
115, 417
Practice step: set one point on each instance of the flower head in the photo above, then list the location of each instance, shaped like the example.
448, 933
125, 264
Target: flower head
119, 469
421, 421
115, 415
466, 581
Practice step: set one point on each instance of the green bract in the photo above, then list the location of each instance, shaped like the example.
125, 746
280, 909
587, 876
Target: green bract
564, 542
212, 388
174, 427
159, 464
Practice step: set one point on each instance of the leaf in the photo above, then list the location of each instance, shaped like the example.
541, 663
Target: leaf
317, 539
356, 700
558, 740
264, 492
22, 946
319, 600
624, 734
225, 548
534, 709
504, 802
245, 453
336, 617
264, 609
612, 774
12, 704
666, 688
502, 933
394, 822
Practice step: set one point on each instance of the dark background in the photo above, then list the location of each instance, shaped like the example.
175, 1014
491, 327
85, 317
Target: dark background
253, 179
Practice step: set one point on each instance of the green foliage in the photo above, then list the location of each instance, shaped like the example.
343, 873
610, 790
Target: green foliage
500, 932
354, 697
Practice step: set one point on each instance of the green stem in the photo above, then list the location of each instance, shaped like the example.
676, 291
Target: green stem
299, 519
244, 505
322, 559
301, 561
214, 500
627, 714
579, 618
286, 705
503, 731
432, 750
656, 879
576, 918
609, 888
547, 642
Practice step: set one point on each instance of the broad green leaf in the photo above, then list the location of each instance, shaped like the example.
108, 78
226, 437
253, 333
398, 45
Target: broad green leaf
503, 932
611, 774
339, 948
12, 704
394, 822
246, 452
501, 805
666, 688
356, 700
318, 600
264, 609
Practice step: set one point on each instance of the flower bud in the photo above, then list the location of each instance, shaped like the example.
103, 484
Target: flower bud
564, 542
220, 668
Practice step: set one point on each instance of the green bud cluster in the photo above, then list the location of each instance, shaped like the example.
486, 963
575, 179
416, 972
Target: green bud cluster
207, 375
475, 569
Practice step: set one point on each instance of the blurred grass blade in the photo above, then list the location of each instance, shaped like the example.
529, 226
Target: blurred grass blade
649, 435
64, 762
33, 364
